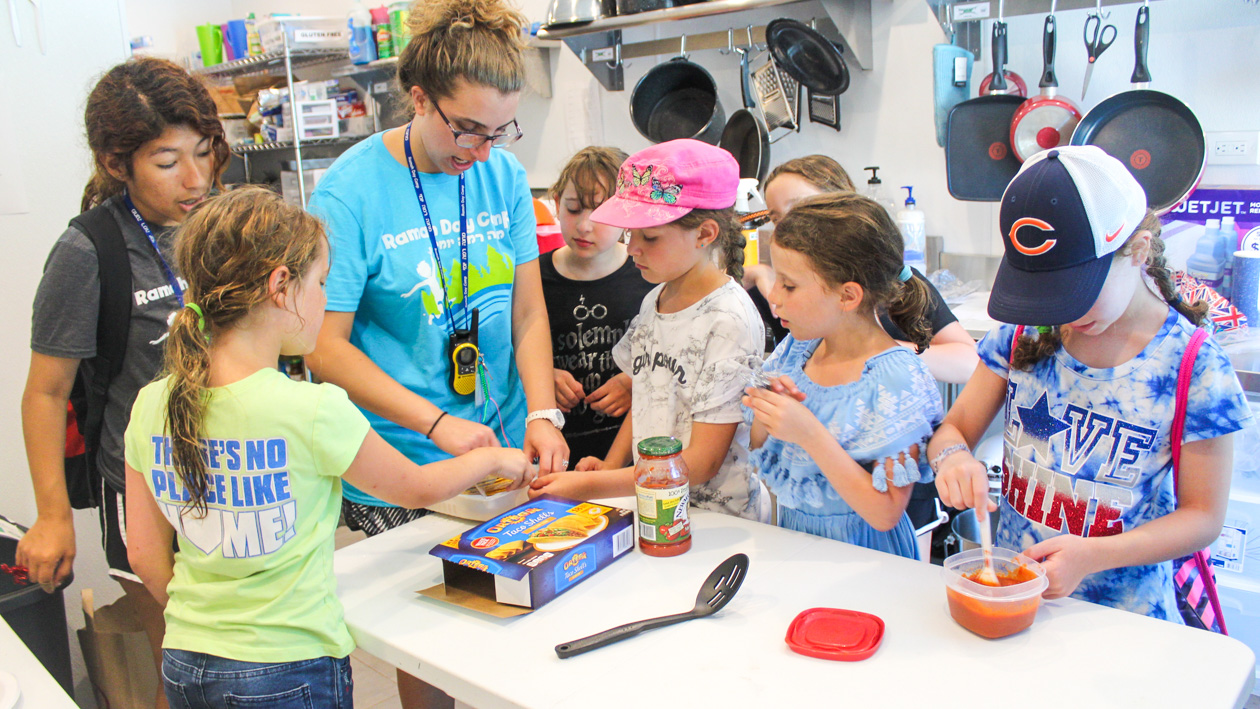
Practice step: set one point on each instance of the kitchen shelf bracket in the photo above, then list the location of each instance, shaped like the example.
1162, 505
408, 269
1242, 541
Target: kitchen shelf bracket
601, 54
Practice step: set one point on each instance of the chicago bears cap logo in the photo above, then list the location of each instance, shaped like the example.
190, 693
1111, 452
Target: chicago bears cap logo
1040, 224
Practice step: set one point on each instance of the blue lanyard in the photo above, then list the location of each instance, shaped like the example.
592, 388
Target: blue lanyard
428, 223
144, 226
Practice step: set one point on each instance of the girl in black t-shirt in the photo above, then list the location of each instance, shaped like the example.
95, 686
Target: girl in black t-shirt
593, 291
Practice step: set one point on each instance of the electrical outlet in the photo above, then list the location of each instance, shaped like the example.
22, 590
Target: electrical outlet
1233, 148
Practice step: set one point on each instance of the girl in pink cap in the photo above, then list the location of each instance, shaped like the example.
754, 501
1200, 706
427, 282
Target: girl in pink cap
697, 338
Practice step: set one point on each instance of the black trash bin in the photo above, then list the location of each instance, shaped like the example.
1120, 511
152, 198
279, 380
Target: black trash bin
38, 618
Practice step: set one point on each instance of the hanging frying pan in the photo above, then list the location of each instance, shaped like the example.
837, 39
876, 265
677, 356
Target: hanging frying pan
979, 162
677, 99
745, 136
1156, 136
808, 57
1047, 120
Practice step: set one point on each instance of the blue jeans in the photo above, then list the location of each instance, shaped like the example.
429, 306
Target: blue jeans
194, 680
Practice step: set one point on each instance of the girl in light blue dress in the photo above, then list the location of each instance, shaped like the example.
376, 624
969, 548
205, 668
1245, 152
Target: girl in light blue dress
841, 429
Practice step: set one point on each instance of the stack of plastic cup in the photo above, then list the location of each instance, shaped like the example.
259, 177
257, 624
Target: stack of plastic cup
1246, 287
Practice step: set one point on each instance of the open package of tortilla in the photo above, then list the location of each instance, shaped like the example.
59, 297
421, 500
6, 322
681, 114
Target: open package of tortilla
489, 498
519, 560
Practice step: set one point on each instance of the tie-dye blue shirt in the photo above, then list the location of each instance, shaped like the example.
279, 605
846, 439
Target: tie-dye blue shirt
1087, 451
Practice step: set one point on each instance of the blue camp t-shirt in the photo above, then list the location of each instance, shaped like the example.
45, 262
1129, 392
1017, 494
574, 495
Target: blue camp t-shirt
384, 271
1088, 452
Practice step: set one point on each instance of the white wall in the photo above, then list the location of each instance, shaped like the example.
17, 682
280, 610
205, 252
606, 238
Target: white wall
44, 150
172, 25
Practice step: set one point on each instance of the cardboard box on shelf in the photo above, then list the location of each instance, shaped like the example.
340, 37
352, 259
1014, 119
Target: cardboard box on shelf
518, 561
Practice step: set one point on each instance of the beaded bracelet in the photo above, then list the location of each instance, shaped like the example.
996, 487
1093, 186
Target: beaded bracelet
935, 463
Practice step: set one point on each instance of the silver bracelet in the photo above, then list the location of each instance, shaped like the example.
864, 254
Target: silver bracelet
936, 461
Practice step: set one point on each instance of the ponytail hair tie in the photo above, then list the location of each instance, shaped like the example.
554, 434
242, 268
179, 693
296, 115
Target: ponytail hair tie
1043, 329
905, 274
201, 317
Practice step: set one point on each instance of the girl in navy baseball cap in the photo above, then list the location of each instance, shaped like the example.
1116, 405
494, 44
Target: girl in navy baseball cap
1088, 385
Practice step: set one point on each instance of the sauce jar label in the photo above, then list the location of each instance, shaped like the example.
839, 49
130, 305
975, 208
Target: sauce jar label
663, 514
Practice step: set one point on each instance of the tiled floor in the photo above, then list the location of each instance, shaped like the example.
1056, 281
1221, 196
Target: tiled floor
375, 684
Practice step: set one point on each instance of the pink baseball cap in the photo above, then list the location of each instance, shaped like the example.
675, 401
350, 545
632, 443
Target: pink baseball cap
663, 183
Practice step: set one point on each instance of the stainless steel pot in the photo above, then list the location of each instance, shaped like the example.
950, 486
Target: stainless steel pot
677, 99
576, 12
967, 530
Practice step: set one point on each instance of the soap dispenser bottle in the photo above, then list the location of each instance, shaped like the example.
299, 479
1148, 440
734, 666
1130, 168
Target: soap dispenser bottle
875, 190
912, 224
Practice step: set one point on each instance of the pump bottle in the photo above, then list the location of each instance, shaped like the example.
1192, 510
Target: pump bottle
911, 222
743, 205
875, 190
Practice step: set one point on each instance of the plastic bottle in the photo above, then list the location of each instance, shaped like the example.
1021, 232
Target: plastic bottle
748, 191
911, 223
875, 190
1229, 239
252, 39
362, 45
1207, 263
381, 31
663, 490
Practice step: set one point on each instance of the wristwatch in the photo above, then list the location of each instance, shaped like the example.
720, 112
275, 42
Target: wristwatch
555, 416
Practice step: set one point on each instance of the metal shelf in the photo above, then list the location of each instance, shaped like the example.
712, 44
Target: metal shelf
599, 46
342, 141
271, 61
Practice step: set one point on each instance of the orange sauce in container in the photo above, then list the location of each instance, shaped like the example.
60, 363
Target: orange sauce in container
994, 618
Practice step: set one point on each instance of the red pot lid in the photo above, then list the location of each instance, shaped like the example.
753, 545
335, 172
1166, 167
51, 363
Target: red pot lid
835, 634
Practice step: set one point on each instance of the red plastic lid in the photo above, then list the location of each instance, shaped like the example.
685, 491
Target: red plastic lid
835, 634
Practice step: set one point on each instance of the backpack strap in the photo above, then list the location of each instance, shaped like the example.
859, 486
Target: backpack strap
113, 323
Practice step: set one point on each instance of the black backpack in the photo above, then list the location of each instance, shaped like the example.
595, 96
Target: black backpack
86, 410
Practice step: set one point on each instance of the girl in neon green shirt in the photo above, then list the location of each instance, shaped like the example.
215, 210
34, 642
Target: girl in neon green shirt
245, 467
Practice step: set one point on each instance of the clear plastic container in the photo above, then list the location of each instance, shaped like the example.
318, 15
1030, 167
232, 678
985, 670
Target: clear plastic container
483, 501
988, 611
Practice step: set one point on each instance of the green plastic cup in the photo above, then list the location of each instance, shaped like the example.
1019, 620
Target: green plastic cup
210, 37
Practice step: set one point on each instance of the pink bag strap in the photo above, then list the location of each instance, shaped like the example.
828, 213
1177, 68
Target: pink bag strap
1178, 432
1183, 395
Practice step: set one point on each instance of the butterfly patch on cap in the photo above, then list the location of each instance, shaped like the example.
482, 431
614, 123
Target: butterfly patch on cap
663, 183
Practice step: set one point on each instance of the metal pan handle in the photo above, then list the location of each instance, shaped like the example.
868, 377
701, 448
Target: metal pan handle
1141, 37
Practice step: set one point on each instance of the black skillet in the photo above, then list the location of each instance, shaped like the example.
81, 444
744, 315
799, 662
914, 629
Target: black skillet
745, 135
1155, 135
979, 162
808, 57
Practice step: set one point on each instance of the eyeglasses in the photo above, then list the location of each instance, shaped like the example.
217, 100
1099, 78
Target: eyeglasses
471, 141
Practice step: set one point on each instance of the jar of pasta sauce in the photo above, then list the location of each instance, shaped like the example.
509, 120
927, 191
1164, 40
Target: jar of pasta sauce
662, 488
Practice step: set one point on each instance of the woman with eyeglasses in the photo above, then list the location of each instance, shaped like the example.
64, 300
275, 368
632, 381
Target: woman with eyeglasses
436, 324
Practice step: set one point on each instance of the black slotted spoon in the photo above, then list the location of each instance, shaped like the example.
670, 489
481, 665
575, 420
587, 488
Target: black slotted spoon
718, 589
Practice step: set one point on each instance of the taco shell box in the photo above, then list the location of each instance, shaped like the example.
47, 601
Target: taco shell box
523, 558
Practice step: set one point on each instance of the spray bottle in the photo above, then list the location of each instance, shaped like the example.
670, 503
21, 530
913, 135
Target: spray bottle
911, 222
362, 43
743, 206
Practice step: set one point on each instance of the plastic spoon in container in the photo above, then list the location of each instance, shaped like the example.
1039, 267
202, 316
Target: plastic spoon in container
987, 575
